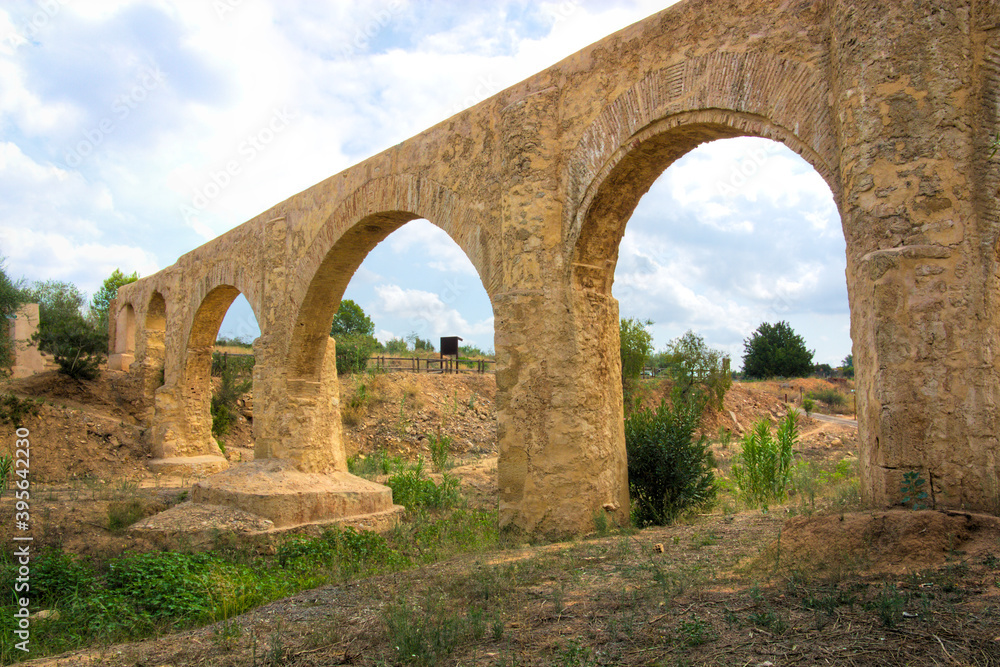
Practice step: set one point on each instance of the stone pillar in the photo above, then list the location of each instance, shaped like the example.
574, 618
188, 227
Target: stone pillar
917, 274
182, 428
559, 412
27, 359
299, 419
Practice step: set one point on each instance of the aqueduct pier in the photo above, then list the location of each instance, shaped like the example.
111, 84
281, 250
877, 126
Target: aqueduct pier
894, 104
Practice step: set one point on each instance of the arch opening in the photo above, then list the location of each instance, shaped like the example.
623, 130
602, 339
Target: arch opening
596, 230
201, 365
737, 232
125, 331
419, 274
415, 283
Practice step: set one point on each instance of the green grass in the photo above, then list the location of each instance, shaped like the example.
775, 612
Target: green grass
135, 596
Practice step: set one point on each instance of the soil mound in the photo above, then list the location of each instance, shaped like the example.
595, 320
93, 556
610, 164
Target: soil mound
894, 541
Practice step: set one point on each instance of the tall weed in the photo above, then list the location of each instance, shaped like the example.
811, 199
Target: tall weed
763, 467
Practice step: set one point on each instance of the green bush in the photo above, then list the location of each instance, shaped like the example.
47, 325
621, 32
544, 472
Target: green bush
809, 405
166, 584
223, 405
11, 298
440, 446
76, 344
775, 350
241, 364
14, 410
353, 353
669, 468
764, 465
395, 346
694, 367
412, 490
831, 397
346, 550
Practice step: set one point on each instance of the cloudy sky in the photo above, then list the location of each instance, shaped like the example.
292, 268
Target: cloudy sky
118, 119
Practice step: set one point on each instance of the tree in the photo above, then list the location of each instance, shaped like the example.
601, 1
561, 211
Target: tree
58, 302
351, 320
395, 346
354, 332
847, 365
420, 344
77, 345
775, 350
636, 346
102, 299
694, 368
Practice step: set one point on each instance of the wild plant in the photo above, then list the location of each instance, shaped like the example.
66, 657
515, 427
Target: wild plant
763, 467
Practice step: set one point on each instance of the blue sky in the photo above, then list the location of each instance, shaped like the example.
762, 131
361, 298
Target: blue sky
119, 118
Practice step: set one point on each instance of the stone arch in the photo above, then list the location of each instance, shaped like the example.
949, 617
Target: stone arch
154, 350
125, 330
360, 223
594, 231
195, 382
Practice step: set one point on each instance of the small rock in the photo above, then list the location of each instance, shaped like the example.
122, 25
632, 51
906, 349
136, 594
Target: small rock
51, 614
658, 547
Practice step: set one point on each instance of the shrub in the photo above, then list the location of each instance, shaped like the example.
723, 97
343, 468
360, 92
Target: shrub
412, 490
831, 397
14, 410
669, 468
763, 466
808, 405
123, 513
164, 585
11, 297
223, 406
395, 346
353, 353
76, 344
348, 551
440, 448
241, 364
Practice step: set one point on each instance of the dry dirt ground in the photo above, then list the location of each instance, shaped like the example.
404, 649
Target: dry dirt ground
838, 585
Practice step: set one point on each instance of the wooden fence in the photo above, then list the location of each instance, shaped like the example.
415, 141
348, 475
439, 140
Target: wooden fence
430, 365
244, 363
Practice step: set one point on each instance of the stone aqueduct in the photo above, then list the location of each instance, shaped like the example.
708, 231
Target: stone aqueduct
894, 104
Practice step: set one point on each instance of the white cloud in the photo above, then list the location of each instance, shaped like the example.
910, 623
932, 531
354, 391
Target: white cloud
425, 311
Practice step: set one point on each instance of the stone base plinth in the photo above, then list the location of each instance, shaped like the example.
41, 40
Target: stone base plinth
189, 466
120, 362
199, 526
277, 491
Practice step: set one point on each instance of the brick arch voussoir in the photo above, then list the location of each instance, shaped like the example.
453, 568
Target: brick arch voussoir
364, 218
220, 276
752, 93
